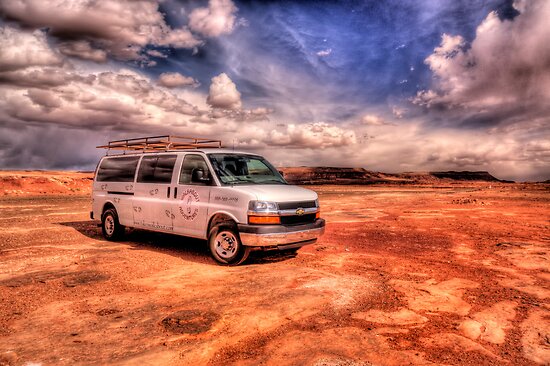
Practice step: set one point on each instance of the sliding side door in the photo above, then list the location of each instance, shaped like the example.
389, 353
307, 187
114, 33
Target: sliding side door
152, 204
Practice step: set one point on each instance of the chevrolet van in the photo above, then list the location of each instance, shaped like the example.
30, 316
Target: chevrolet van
236, 201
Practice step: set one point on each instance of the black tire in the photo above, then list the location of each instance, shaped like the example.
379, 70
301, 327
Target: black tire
225, 246
293, 251
110, 226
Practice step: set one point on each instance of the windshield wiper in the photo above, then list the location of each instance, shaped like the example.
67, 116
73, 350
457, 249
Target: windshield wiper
239, 180
273, 181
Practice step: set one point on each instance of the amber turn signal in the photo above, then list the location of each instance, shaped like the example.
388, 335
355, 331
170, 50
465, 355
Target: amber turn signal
263, 220
318, 214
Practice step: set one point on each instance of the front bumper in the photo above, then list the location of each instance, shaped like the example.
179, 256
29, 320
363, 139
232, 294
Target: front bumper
281, 236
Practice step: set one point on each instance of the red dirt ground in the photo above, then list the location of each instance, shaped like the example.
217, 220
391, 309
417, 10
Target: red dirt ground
35, 183
418, 275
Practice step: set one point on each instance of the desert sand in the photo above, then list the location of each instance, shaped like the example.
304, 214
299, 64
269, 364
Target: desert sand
454, 274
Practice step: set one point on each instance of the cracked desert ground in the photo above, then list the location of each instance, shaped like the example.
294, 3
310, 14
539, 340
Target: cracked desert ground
449, 275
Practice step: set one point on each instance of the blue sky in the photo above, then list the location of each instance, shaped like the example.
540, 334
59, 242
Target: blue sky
385, 85
377, 50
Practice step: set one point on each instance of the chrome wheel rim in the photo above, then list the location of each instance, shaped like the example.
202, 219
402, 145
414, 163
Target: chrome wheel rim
109, 225
226, 244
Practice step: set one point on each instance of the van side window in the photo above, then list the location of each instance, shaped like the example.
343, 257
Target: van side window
190, 163
156, 169
121, 169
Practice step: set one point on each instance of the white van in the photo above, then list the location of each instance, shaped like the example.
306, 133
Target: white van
236, 200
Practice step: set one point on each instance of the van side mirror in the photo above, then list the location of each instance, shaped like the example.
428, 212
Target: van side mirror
198, 176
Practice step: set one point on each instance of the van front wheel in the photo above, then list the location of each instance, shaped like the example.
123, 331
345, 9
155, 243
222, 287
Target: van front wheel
226, 247
110, 227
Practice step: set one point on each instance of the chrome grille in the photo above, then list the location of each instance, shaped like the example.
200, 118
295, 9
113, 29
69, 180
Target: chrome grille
297, 220
295, 205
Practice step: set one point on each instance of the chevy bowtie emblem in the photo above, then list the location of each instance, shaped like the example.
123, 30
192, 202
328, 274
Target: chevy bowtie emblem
300, 211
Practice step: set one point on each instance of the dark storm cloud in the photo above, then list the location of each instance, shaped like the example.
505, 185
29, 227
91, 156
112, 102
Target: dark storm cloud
502, 75
121, 28
40, 93
47, 147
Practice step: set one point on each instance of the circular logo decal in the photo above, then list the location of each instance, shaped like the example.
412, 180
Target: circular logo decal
189, 207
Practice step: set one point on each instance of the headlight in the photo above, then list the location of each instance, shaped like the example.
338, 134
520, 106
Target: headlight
317, 202
263, 206
263, 213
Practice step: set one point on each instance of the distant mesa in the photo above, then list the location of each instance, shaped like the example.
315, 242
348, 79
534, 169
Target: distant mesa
43, 182
333, 175
467, 175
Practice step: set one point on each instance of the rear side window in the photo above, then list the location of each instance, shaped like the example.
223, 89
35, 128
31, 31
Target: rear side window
120, 169
190, 163
156, 169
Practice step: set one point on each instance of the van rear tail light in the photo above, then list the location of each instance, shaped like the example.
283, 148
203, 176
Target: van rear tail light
264, 220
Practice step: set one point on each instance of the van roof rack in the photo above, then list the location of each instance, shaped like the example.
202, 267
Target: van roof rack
160, 143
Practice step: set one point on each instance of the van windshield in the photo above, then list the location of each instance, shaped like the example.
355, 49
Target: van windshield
244, 169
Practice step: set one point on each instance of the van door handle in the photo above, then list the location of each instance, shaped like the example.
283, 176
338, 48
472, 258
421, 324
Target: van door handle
175, 192
168, 193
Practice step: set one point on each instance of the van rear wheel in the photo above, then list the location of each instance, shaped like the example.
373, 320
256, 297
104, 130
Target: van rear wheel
110, 226
226, 247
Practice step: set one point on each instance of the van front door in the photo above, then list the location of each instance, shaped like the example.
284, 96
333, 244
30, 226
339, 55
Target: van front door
191, 205
152, 205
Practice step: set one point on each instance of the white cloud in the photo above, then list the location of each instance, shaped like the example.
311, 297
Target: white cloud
318, 135
175, 79
119, 27
217, 19
372, 120
507, 65
156, 53
83, 50
44, 98
499, 87
324, 53
398, 112
415, 146
121, 100
178, 38
61, 94
21, 49
223, 93
93, 102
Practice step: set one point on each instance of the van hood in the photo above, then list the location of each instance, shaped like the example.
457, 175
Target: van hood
278, 192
